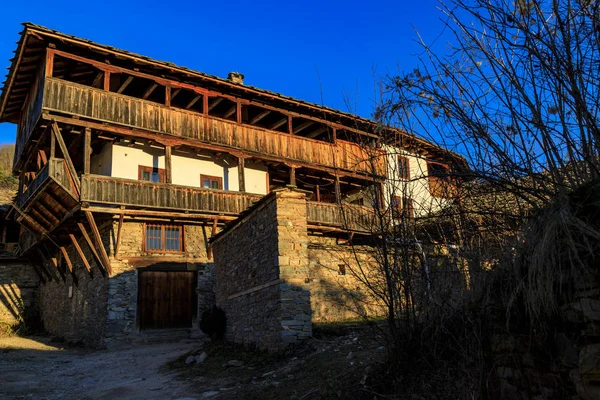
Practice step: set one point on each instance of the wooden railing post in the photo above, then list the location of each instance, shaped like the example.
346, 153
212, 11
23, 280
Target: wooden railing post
241, 174
168, 165
87, 150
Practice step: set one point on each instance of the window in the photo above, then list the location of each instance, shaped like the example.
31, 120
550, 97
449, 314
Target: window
402, 207
403, 168
163, 238
150, 174
211, 182
440, 182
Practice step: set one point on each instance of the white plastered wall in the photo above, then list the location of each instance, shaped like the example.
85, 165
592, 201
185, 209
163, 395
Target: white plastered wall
416, 187
122, 160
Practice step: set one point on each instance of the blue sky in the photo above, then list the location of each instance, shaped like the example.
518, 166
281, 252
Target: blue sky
327, 52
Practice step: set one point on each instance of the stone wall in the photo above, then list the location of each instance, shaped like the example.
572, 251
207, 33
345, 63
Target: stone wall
337, 274
262, 273
18, 289
97, 310
74, 306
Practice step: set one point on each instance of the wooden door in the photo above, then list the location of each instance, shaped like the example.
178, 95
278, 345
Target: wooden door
166, 299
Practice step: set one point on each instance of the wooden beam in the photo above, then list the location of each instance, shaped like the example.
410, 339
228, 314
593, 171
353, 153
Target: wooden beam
67, 258
175, 93
259, 117
41, 159
149, 91
338, 194
202, 215
52, 144
238, 114
290, 129
97, 79
293, 176
230, 112
125, 84
106, 85
87, 150
277, 124
215, 103
90, 245
318, 192
241, 175
98, 240
49, 62
80, 253
168, 96
317, 132
47, 213
119, 235
67, 157
168, 165
46, 262
302, 127
193, 101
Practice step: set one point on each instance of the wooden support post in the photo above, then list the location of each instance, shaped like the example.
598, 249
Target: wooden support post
90, 245
213, 233
238, 112
87, 150
125, 84
318, 193
37, 272
98, 240
46, 263
168, 96
49, 63
80, 253
52, 144
334, 135
106, 84
21, 182
168, 165
290, 126
241, 174
119, 235
67, 258
204, 105
67, 157
293, 176
338, 194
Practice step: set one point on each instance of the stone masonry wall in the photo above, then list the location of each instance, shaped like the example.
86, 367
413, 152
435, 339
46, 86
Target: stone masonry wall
73, 307
262, 273
337, 293
18, 289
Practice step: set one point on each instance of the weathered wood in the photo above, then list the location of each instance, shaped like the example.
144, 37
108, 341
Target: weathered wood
149, 91
293, 176
259, 117
67, 157
80, 253
125, 84
91, 246
87, 150
98, 239
67, 258
193, 101
106, 84
168, 165
241, 175
119, 235
347, 217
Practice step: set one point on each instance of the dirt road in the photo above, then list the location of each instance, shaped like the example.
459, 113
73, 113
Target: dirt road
34, 368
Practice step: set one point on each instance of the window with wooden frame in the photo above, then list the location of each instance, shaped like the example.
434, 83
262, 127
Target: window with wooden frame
403, 167
440, 184
163, 238
402, 207
211, 182
151, 174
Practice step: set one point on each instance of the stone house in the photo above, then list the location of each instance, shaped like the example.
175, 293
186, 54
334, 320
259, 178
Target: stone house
128, 166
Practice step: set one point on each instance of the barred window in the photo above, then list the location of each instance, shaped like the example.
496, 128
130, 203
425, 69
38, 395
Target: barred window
403, 168
162, 237
150, 174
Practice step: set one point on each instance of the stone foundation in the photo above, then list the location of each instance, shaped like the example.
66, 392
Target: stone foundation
18, 289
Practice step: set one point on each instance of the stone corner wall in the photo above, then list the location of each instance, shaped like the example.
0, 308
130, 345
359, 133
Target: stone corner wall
18, 289
262, 273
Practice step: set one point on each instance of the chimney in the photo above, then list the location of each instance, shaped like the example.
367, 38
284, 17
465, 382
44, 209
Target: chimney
236, 77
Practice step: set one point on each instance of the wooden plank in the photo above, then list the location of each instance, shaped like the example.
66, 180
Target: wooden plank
98, 239
67, 258
80, 253
168, 165
241, 175
125, 84
67, 157
87, 150
119, 235
90, 245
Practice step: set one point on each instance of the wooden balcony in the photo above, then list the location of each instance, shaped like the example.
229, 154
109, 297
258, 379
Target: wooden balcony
100, 106
134, 193
348, 217
48, 199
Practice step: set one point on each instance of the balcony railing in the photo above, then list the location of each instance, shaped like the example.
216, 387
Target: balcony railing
95, 104
347, 216
55, 170
128, 192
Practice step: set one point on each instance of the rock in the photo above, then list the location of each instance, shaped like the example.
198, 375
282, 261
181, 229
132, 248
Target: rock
190, 360
235, 363
210, 393
350, 356
201, 358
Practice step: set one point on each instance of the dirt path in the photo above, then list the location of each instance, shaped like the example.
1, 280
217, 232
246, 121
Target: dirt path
34, 368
